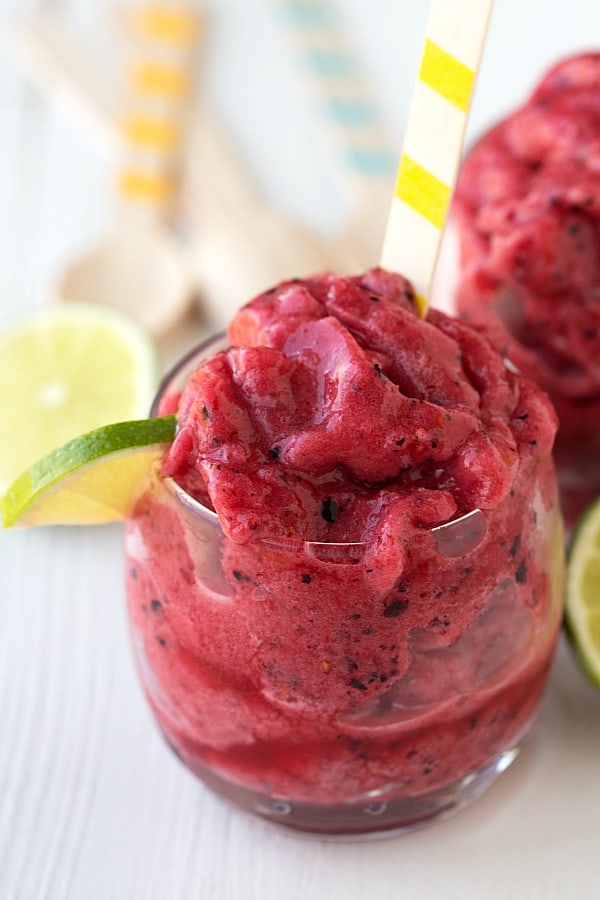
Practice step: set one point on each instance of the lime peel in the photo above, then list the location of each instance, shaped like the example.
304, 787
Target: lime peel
582, 608
92, 479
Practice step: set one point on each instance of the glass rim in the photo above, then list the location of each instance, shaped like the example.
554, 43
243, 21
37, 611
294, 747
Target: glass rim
176, 369
209, 515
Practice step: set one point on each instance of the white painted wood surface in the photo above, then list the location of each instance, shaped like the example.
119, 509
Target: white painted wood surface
93, 806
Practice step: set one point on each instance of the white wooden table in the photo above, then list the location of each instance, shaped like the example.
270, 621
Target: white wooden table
93, 806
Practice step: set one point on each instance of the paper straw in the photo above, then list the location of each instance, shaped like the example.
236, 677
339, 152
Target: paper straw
163, 42
428, 168
344, 104
169, 23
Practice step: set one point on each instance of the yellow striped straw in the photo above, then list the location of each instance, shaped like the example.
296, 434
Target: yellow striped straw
169, 24
152, 132
434, 138
170, 81
153, 187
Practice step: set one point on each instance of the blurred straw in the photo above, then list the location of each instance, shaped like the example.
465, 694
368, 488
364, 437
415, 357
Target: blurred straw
428, 168
162, 42
344, 103
176, 24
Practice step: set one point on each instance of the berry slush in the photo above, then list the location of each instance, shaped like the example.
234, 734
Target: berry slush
345, 588
524, 247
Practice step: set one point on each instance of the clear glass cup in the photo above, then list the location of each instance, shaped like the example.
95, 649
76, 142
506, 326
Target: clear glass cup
345, 688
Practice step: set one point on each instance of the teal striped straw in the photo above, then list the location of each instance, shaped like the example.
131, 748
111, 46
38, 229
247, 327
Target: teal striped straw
344, 104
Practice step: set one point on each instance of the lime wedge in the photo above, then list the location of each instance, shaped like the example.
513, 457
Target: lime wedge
66, 370
583, 592
93, 479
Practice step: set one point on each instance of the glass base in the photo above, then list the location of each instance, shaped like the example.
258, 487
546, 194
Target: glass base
371, 819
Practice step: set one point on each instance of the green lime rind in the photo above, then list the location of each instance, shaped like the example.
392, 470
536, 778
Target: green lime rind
582, 603
77, 453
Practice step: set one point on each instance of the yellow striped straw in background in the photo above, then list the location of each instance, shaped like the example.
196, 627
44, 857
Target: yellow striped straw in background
433, 142
163, 44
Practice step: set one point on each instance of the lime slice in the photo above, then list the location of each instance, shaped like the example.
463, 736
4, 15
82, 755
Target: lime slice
583, 592
66, 370
93, 479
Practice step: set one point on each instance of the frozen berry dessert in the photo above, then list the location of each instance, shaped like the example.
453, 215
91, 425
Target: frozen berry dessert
523, 254
345, 586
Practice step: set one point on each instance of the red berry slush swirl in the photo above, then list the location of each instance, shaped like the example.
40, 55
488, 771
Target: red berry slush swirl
525, 228
361, 634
